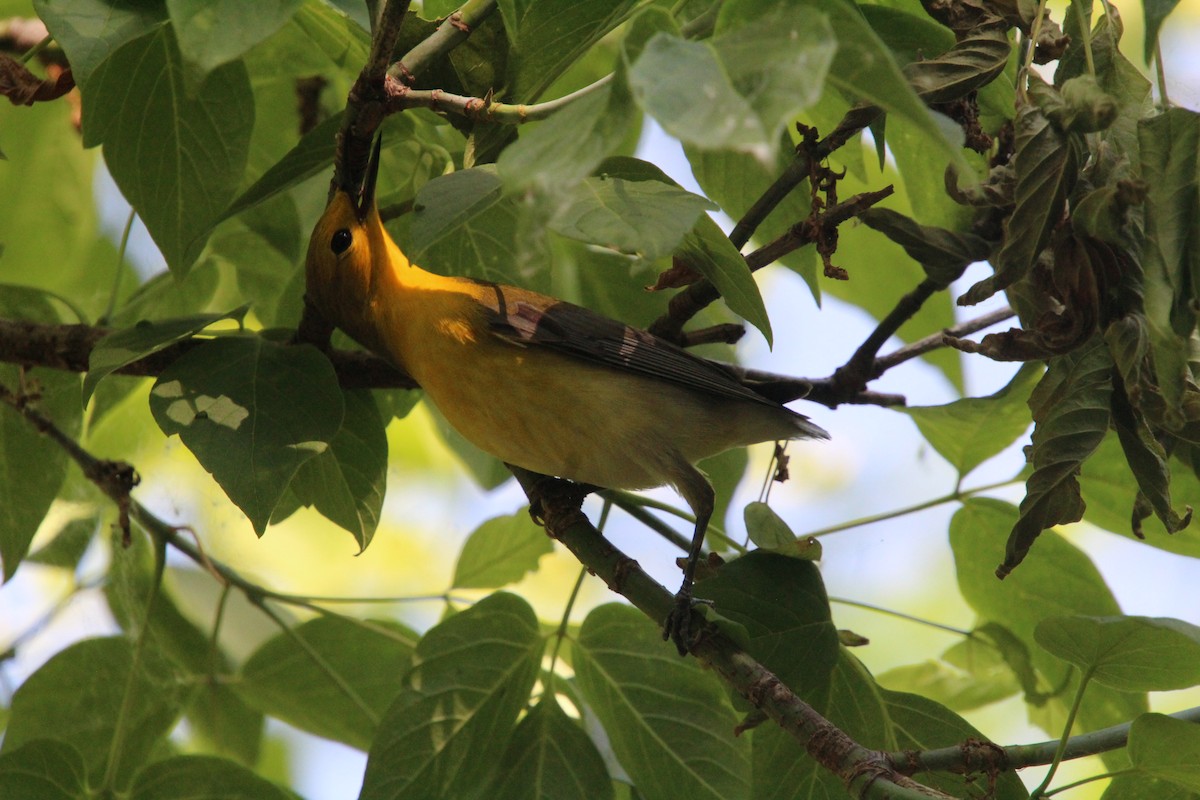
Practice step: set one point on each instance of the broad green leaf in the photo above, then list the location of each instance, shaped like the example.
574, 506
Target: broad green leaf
346, 483
1060, 580
550, 757
1136, 654
68, 545
1071, 415
177, 153
252, 411
766, 528
43, 769
334, 33
1047, 163
501, 551
26, 493
547, 36
781, 603
331, 676
670, 722
128, 345
103, 685
706, 249
645, 218
969, 431
919, 723
199, 777
166, 296
225, 723
1135, 786
737, 180
446, 731
956, 689
567, 147
1169, 146
863, 68
214, 33
91, 31
1166, 748
311, 155
463, 225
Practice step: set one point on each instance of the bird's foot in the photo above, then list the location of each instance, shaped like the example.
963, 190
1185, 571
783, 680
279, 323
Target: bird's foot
678, 625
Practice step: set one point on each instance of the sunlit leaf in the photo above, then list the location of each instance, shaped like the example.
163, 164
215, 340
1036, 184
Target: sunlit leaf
1130, 653
501, 551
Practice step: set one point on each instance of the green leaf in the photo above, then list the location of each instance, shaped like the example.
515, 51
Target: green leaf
1169, 146
91, 31
128, 345
567, 147
781, 604
670, 722
214, 33
1154, 12
32, 466
1166, 748
739, 90
311, 155
1062, 580
203, 778
177, 153
954, 688
347, 482
1135, 786
1046, 164
43, 769
547, 36
1071, 414
645, 218
1136, 654
68, 545
501, 551
550, 757
445, 733
252, 411
969, 431
330, 676
767, 529
104, 688
708, 250
463, 225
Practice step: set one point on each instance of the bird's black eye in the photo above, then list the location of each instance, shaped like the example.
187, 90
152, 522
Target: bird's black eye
341, 240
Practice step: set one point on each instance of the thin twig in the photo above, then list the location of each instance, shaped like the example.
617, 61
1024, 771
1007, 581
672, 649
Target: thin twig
936, 341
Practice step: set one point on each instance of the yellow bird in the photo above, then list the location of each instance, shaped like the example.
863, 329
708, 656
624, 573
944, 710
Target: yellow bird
538, 382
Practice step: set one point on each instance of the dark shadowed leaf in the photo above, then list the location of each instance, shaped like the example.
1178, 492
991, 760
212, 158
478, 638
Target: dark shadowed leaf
446, 731
199, 777
670, 722
330, 676
1071, 414
140, 105
235, 403
206, 38
43, 769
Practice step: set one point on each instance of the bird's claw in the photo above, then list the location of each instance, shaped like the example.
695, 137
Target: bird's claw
678, 625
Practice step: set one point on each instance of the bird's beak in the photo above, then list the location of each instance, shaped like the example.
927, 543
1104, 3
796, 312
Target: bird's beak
366, 195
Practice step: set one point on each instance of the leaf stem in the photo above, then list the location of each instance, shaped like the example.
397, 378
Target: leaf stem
1040, 791
120, 726
1160, 74
957, 494
1090, 779
901, 615
32, 52
116, 286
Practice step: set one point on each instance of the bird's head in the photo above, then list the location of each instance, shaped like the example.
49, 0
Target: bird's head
345, 243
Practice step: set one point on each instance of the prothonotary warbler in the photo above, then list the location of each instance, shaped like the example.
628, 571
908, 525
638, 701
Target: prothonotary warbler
538, 382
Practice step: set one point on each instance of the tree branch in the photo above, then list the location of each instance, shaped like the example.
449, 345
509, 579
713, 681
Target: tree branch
864, 770
452, 32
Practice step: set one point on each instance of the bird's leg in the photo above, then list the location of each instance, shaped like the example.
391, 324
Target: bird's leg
698, 492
